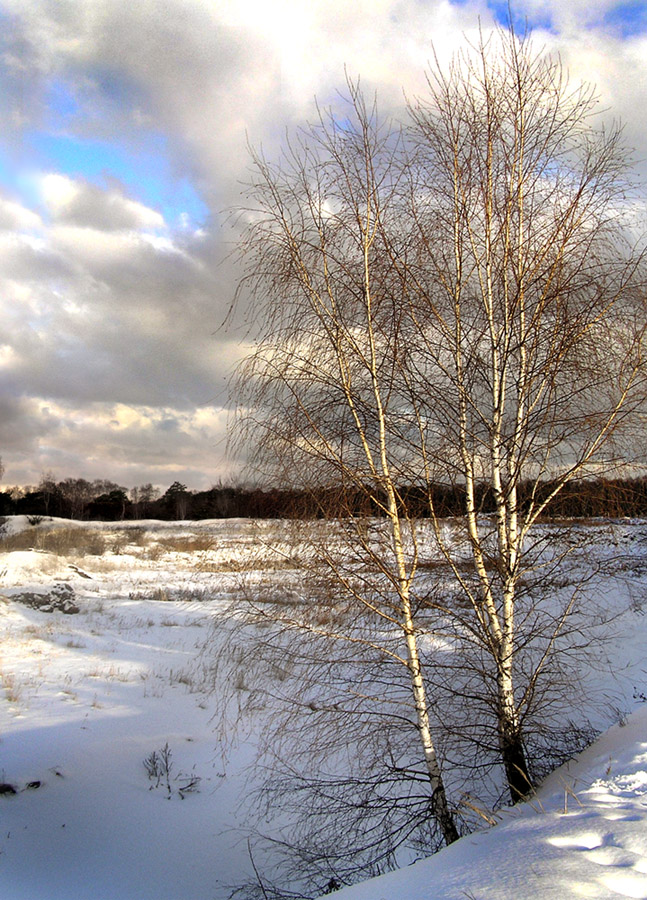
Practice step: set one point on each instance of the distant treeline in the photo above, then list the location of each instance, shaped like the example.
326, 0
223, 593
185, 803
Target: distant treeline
76, 498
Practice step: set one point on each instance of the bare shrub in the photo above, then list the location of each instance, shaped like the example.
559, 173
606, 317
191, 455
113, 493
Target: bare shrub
128, 538
159, 766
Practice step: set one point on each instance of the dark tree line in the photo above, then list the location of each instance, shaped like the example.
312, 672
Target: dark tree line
76, 498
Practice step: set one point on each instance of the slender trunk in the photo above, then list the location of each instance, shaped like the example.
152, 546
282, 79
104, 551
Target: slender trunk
439, 806
513, 754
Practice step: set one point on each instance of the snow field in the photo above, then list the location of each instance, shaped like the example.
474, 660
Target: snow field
86, 698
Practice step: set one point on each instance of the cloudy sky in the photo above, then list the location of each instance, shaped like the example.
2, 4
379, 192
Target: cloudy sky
123, 143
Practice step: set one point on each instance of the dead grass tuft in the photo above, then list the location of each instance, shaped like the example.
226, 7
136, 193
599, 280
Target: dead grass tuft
173, 595
158, 595
462, 565
73, 541
11, 686
127, 539
186, 543
267, 564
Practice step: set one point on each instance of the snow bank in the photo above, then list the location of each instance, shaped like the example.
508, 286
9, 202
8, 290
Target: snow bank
584, 835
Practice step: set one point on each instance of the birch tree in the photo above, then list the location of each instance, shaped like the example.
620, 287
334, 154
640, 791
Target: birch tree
322, 378
456, 300
526, 298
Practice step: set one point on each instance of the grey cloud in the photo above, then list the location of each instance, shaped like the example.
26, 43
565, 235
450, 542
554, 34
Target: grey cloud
134, 268
85, 205
133, 454
105, 316
25, 260
148, 451
99, 312
22, 424
15, 217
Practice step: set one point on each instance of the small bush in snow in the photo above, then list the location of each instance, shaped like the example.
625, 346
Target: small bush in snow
159, 766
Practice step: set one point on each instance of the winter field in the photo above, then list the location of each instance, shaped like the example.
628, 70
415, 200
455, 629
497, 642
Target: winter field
121, 783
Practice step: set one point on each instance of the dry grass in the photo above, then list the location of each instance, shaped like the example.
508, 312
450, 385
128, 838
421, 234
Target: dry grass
75, 644
173, 595
186, 543
72, 541
240, 564
461, 565
81, 541
181, 676
127, 539
158, 595
11, 686
154, 552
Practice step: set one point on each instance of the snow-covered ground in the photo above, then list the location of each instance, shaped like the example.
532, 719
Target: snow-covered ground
88, 697
91, 700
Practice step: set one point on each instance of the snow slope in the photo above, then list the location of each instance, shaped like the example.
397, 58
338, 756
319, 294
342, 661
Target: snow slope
584, 835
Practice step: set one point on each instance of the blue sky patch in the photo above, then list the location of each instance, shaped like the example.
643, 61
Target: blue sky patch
628, 18
61, 102
521, 19
625, 18
144, 167
146, 173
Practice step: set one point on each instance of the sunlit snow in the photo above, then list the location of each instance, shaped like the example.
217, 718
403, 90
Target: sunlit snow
87, 698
